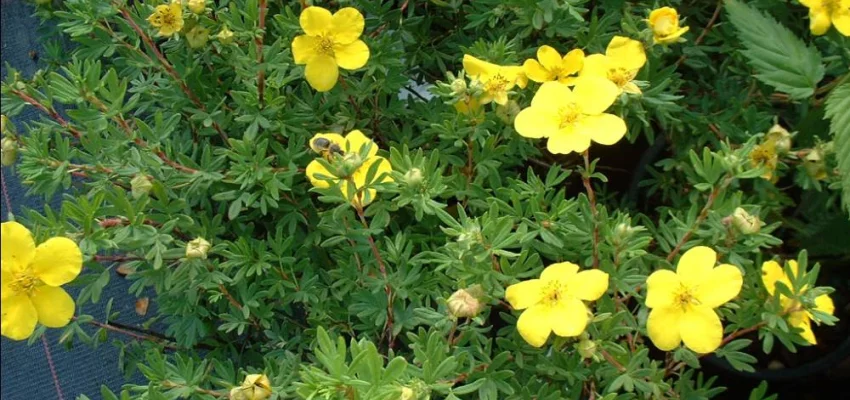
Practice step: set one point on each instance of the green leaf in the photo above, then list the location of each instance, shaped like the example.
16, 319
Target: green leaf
781, 59
838, 112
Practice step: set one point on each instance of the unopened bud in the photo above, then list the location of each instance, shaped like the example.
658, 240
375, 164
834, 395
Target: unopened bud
622, 232
746, 223
8, 151
464, 303
198, 248
407, 394
780, 137
197, 6
458, 86
140, 185
4, 124
414, 177
586, 348
814, 165
198, 37
225, 36
508, 112
256, 387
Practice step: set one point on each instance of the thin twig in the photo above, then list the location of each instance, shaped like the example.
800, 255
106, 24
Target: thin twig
52, 367
611, 360
132, 334
49, 111
387, 288
171, 385
700, 218
261, 74
591, 196
702, 35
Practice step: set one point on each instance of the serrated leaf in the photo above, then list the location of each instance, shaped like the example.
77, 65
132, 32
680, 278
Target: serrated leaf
838, 112
781, 59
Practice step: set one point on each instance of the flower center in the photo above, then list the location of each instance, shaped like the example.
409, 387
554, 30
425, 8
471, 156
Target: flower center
684, 298
24, 282
569, 114
832, 6
553, 293
325, 45
496, 83
168, 18
620, 76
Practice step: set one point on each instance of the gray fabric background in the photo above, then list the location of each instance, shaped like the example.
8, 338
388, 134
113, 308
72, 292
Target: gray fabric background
81, 369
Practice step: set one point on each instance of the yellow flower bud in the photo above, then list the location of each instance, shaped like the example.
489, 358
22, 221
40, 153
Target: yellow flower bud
746, 223
256, 387
407, 394
4, 122
664, 23
586, 348
458, 86
198, 37
140, 185
413, 177
464, 303
197, 6
225, 36
814, 165
781, 137
237, 394
198, 248
8, 151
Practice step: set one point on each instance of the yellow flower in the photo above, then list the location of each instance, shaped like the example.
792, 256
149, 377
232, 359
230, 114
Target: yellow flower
570, 119
765, 155
549, 65
682, 303
497, 80
168, 18
345, 154
620, 64
554, 302
31, 280
825, 13
771, 273
197, 6
331, 42
664, 23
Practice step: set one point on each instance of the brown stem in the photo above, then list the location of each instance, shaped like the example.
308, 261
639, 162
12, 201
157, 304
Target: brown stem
608, 357
700, 218
702, 35
261, 75
591, 196
451, 339
237, 304
171, 385
49, 111
119, 258
387, 288
132, 334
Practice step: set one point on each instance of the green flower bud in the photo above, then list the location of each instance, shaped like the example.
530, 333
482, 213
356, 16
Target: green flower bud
4, 123
140, 185
414, 177
781, 137
586, 348
458, 86
8, 151
197, 6
508, 112
198, 37
464, 303
198, 248
225, 36
746, 223
407, 394
814, 165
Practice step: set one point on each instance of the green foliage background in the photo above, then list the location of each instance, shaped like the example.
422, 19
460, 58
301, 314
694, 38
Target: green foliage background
292, 286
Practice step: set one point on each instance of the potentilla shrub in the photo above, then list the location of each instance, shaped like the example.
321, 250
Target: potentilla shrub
495, 199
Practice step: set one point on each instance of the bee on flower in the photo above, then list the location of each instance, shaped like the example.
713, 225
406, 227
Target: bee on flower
351, 157
798, 317
496, 80
32, 278
168, 18
330, 42
620, 64
682, 303
550, 66
664, 23
555, 302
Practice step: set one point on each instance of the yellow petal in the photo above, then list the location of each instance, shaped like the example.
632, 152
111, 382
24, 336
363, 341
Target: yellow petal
315, 21
662, 327
561, 272
356, 140
382, 174
701, 329
658, 13
626, 53
569, 317
631, 87
17, 248
800, 320
536, 122
536, 72
352, 55
566, 141
304, 48
588, 285
661, 287
475, 67
347, 25
695, 265
500, 97
314, 170
322, 72
553, 94
17, 317
573, 62
771, 272
841, 20
524, 294
720, 285
594, 94
535, 325
6, 284
823, 303
515, 76
596, 65
819, 22
604, 129
54, 306
549, 57
57, 261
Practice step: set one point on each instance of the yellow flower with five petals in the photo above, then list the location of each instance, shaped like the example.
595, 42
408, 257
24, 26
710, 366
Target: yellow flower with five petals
497, 80
801, 319
330, 42
664, 23
168, 18
550, 66
345, 155
570, 119
682, 303
555, 302
31, 280
825, 13
620, 64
